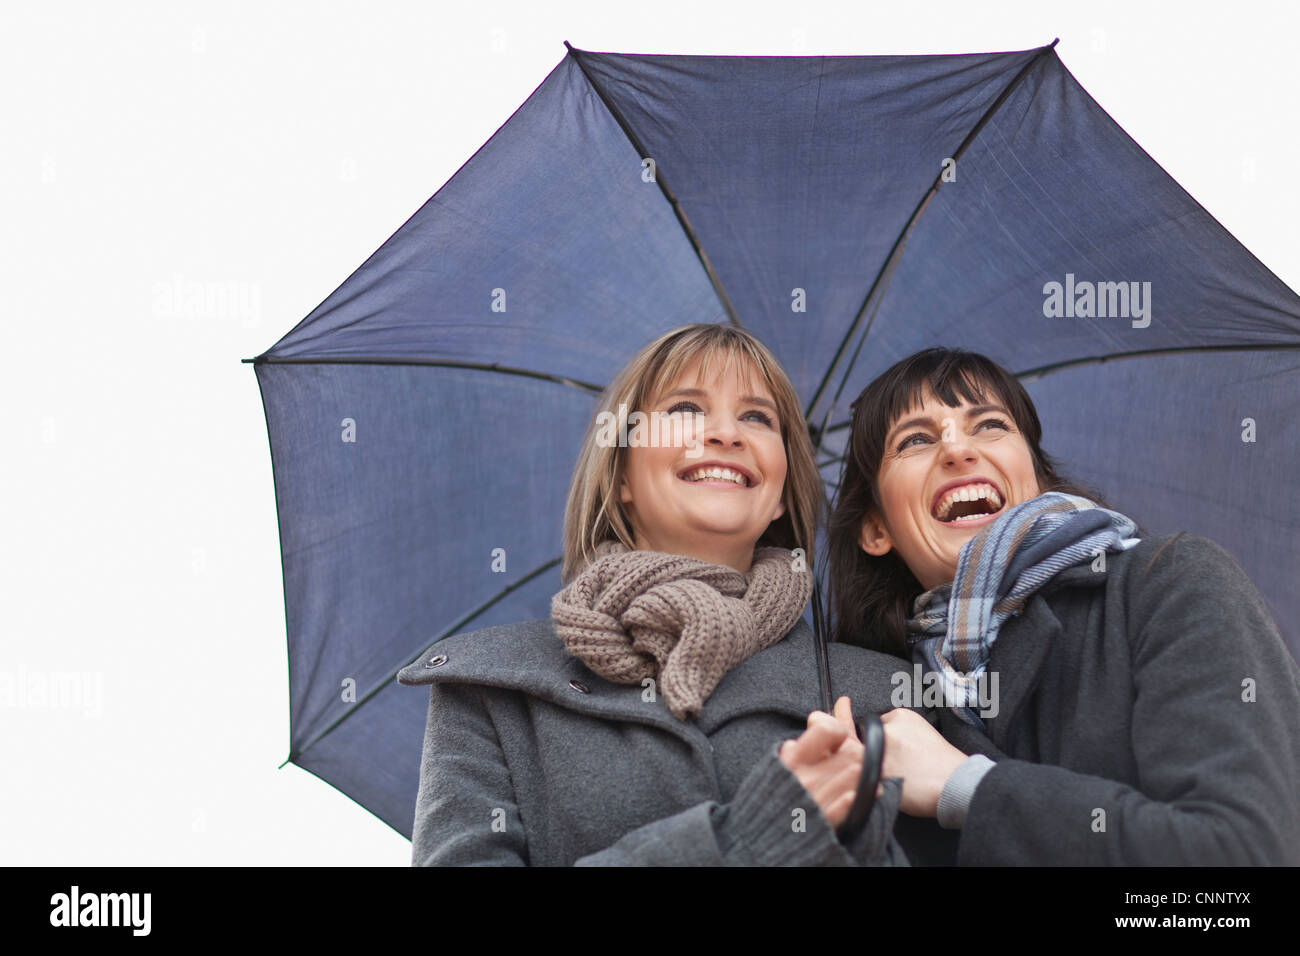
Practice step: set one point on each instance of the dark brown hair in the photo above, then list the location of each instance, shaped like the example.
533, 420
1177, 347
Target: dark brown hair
871, 597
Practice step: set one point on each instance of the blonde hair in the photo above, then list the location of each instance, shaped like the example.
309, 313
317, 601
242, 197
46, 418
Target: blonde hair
594, 512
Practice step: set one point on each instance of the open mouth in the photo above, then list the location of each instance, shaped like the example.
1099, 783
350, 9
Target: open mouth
967, 503
712, 473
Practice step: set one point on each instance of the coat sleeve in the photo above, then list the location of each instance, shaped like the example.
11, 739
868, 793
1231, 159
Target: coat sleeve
1215, 734
462, 817
771, 821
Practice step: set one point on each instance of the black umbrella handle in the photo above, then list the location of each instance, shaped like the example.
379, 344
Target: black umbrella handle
872, 734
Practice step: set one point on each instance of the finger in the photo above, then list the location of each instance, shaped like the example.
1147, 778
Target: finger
833, 781
823, 736
844, 714
851, 747
836, 804
838, 811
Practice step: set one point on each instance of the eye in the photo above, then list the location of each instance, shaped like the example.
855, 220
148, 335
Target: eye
995, 422
906, 443
758, 415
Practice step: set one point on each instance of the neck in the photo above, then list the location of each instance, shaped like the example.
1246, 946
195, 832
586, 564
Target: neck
725, 551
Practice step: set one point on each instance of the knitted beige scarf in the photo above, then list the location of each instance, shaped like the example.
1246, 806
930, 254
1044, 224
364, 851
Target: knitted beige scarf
686, 622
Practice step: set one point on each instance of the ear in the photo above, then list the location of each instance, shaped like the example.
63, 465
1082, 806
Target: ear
780, 510
874, 537
624, 492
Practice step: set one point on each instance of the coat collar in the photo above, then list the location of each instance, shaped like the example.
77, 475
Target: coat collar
531, 657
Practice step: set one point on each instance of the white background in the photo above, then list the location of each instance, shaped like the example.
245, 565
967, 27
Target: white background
270, 148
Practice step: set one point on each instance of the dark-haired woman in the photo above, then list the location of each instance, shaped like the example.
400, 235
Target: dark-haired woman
1102, 696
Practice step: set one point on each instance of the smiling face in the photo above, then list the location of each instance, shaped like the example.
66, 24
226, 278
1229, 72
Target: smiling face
946, 472
713, 478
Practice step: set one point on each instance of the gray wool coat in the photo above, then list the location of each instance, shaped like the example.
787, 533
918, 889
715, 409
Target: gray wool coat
1149, 715
530, 758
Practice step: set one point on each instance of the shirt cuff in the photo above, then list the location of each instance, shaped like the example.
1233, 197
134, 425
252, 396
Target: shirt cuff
956, 796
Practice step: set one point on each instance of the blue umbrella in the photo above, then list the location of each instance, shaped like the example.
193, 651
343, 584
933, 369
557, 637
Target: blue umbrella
425, 418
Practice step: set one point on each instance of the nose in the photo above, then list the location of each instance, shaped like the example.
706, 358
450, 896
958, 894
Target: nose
955, 446
722, 429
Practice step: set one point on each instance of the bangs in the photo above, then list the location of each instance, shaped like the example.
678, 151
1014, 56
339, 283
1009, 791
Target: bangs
716, 349
951, 376
951, 383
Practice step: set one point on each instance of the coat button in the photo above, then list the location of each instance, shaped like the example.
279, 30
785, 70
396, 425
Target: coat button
436, 661
579, 686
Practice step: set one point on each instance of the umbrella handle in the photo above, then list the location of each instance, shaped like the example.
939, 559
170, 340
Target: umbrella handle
872, 734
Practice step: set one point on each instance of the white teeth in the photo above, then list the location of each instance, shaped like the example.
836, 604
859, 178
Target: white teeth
974, 492
716, 474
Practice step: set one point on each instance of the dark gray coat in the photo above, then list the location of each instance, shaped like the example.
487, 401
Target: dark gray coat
1121, 693
531, 758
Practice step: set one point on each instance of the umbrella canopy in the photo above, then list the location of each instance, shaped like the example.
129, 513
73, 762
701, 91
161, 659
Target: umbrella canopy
425, 418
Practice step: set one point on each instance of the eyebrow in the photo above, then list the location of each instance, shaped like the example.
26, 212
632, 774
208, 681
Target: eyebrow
972, 412
700, 393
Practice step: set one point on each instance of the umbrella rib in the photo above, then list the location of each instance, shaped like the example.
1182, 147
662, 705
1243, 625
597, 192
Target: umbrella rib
453, 629
896, 251
663, 188
1034, 374
475, 366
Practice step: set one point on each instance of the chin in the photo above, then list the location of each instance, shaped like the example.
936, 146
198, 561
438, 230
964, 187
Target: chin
724, 531
715, 521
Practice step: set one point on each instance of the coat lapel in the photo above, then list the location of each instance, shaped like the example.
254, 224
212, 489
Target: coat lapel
1021, 650
783, 678
530, 657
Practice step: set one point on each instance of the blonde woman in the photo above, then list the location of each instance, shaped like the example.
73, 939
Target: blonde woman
665, 714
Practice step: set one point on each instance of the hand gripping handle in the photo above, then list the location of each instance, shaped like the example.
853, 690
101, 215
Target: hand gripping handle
872, 734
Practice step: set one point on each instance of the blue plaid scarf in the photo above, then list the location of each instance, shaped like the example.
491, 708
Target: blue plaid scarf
954, 625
